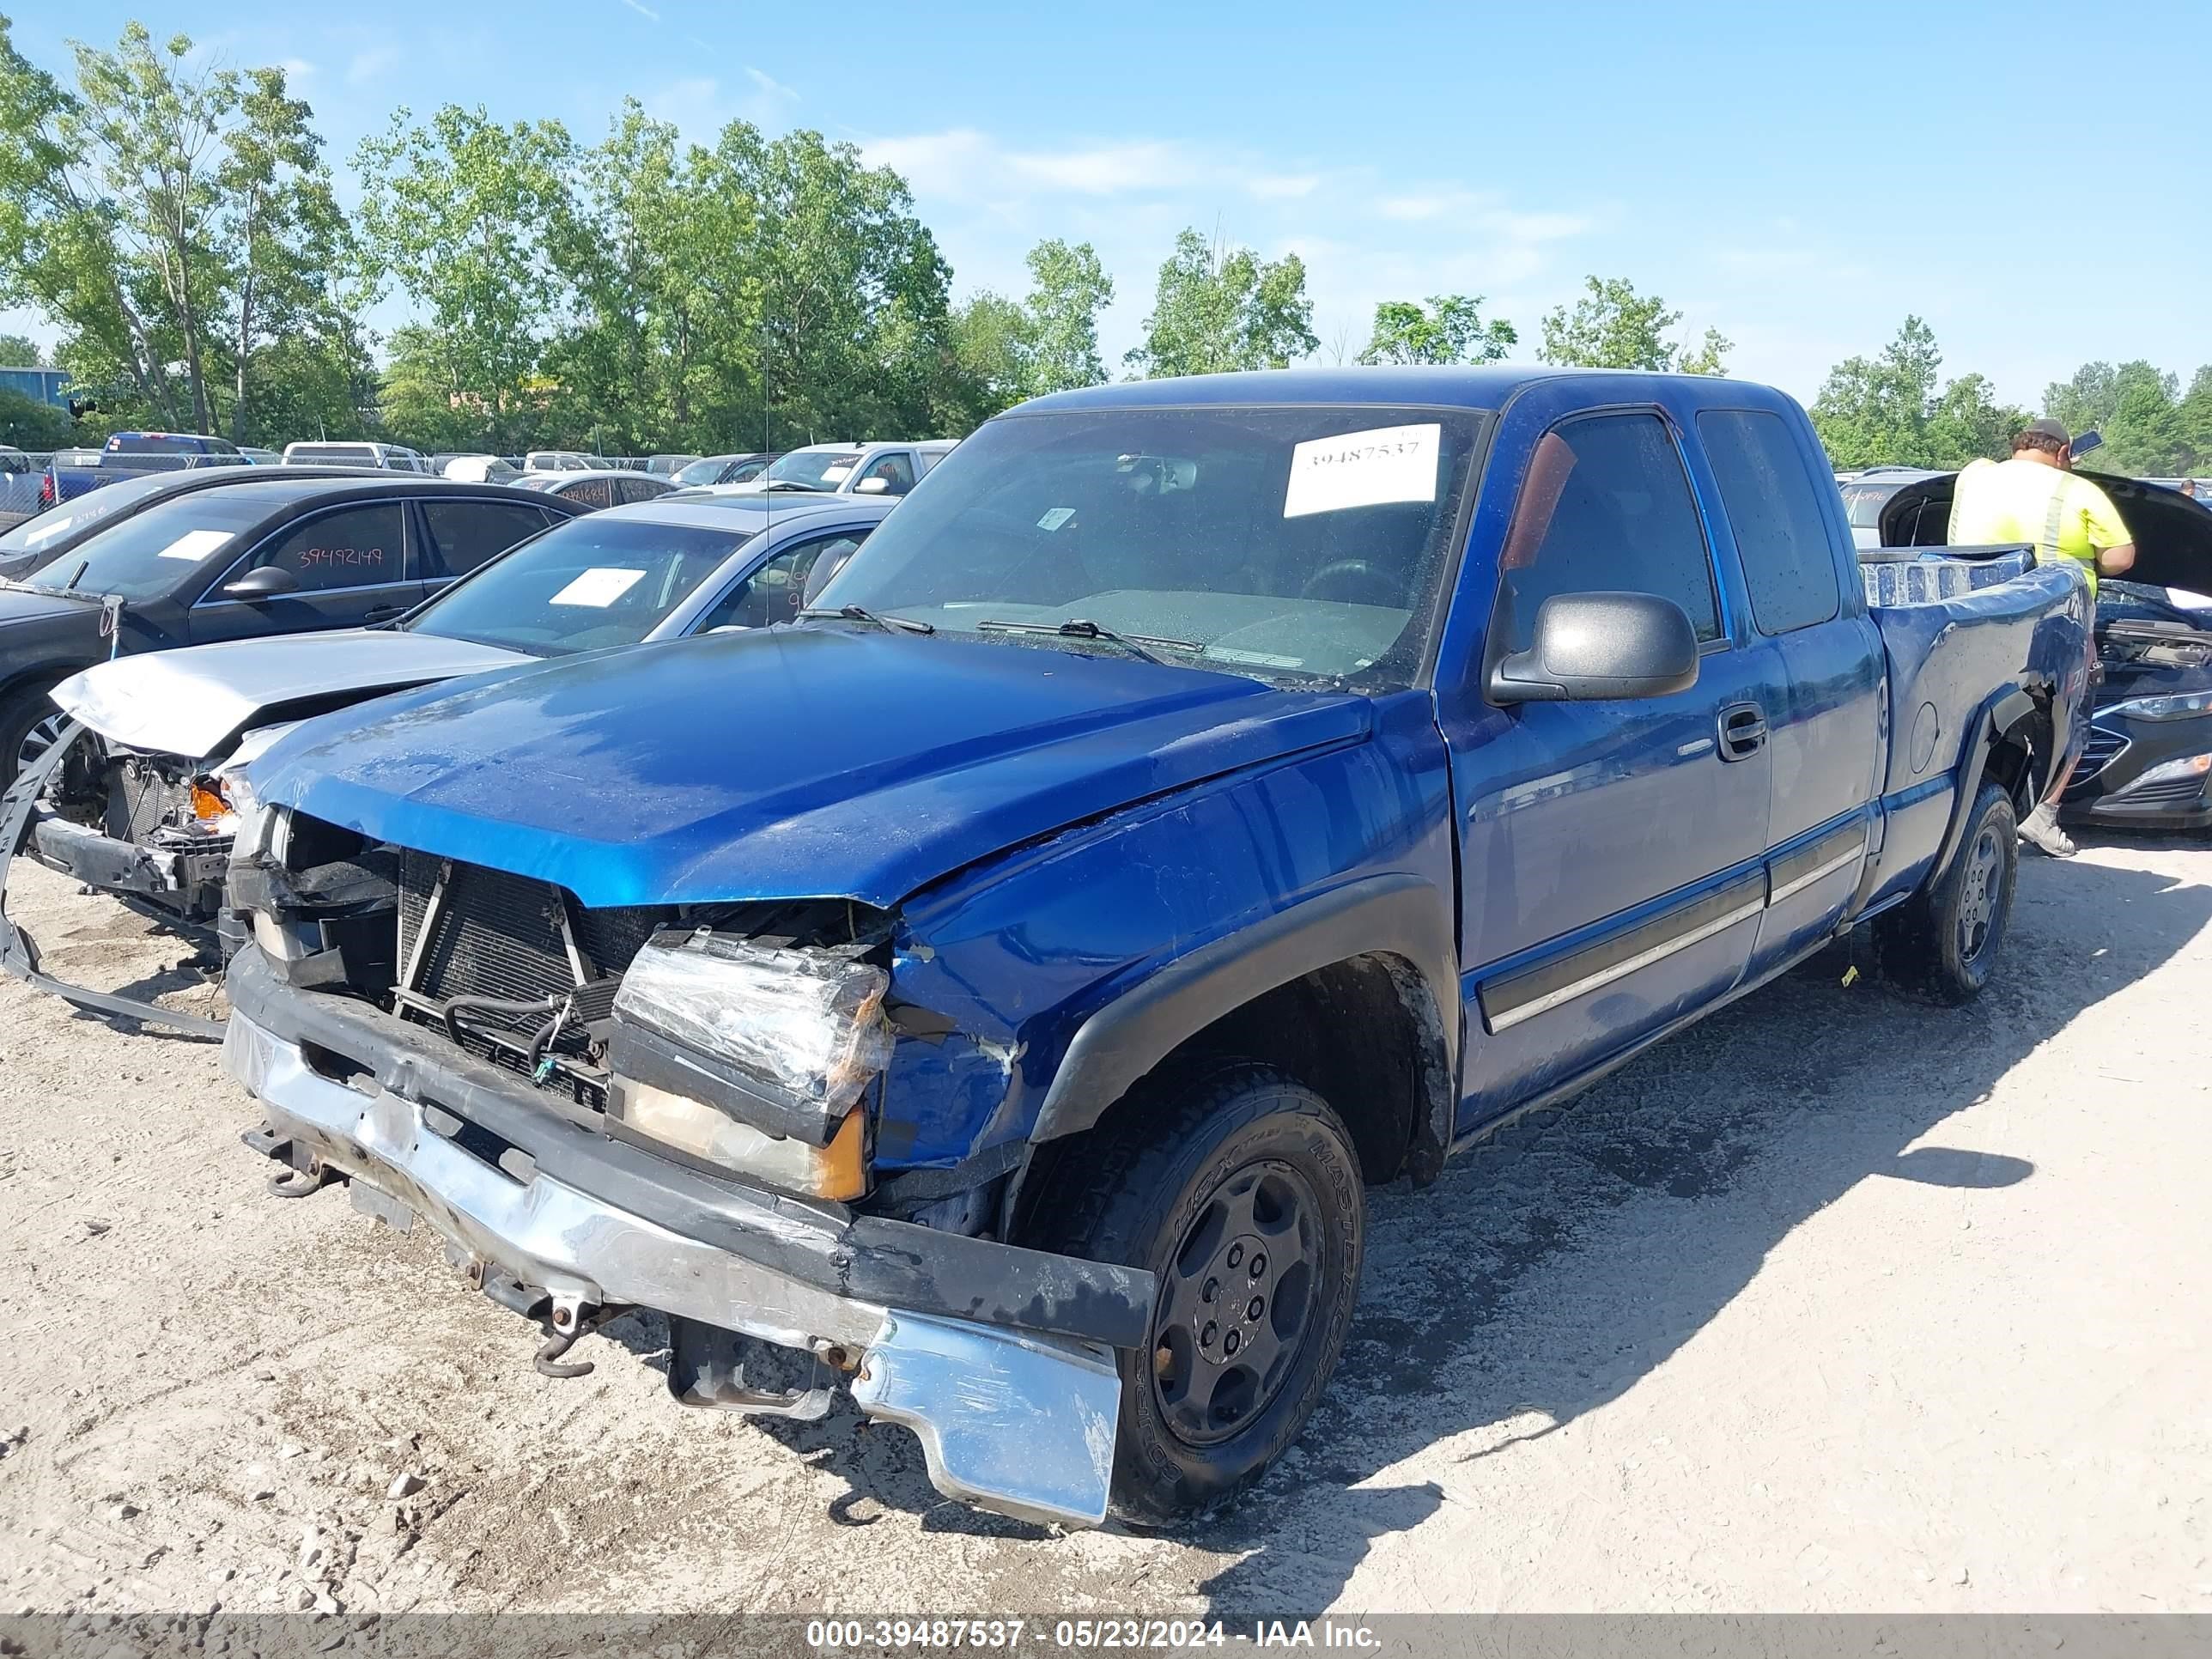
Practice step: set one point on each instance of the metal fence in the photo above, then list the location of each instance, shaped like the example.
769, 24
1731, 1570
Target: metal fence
19, 490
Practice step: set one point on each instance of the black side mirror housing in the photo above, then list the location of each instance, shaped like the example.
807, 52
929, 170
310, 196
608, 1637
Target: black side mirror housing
266, 582
1588, 647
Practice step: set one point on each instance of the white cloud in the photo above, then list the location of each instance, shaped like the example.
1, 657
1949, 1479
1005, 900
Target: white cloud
767, 86
296, 70
1282, 186
643, 10
366, 66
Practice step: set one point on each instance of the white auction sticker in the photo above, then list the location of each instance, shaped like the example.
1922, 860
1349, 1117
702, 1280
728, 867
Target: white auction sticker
599, 587
1363, 468
45, 530
1057, 517
195, 544
835, 474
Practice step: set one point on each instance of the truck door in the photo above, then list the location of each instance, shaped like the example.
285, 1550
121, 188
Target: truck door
1611, 851
1823, 728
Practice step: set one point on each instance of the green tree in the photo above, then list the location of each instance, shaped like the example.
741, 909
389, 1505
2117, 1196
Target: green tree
1218, 309
2196, 419
1893, 407
1068, 288
457, 213
1005, 350
30, 423
21, 351
2137, 407
1449, 329
1613, 326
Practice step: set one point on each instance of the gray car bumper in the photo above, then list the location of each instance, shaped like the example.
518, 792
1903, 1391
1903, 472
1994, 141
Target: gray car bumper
1017, 1420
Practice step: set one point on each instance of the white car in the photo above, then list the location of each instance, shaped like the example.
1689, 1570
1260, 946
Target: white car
395, 457
879, 469
481, 469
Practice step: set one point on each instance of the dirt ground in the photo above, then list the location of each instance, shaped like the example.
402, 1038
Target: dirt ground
1837, 1303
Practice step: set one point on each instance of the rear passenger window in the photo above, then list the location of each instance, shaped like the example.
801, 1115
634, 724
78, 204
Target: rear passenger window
1774, 507
465, 534
1606, 507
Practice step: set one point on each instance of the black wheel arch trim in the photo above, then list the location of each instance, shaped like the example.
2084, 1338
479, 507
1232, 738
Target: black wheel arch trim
1999, 718
1399, 916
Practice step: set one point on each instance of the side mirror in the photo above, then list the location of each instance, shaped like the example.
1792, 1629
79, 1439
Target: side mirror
1593, 646
873, 487
266, 582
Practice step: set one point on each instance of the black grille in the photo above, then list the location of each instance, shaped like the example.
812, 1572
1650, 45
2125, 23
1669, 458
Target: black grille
2163, 793
139, 802
2097, 753
498, 935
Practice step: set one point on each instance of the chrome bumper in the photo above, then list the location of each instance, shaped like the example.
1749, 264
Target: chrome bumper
1013, 1421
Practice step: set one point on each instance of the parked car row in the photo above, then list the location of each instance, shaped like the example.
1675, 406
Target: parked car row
971, 952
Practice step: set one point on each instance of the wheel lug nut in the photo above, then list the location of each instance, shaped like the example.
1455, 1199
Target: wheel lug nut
1211, 1290
1230, 1342
1236, 1254
1205, 1337
1259, 1264
1257, 1308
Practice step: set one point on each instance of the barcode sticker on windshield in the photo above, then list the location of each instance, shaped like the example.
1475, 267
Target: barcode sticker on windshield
1057, 517
1363, 468
46, 530
195, 544
599, 587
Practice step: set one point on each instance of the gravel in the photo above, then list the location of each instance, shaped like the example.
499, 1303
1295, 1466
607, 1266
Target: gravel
1838, 1303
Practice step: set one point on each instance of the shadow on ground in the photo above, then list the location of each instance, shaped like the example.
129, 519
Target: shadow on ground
1493, 1299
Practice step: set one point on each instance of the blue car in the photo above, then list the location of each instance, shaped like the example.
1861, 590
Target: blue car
1202, 799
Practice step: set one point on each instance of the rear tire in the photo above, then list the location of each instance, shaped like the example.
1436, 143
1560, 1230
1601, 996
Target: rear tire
1943, 942
1239, 1188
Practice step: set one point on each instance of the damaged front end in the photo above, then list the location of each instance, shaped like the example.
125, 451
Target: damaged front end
153, 830
665, 1106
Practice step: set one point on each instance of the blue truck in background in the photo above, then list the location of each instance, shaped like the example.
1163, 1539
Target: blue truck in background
129, 454
1200, 801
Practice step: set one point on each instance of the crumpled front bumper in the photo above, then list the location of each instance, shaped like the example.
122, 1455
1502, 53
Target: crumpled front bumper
28, 828
999, 1358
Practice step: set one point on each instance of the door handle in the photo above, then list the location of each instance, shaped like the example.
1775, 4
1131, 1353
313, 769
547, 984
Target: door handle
1743, 731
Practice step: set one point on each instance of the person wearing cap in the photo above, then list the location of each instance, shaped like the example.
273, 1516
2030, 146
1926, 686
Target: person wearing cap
2038, 497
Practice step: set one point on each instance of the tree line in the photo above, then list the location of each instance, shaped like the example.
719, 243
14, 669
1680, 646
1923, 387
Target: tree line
177, 224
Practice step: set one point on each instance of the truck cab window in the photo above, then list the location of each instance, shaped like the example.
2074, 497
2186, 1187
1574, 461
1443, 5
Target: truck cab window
1606, 507
1767, 491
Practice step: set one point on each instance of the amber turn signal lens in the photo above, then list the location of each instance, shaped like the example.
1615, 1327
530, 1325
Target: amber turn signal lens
208, 802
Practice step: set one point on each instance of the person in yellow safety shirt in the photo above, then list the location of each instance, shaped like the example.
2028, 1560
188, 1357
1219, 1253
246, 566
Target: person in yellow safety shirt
2036, 497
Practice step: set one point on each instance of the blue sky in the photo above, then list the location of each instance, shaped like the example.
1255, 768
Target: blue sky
1800, 177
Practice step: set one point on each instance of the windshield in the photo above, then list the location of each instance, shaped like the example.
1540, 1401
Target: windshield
585, 584
814, 469
1282, 543
148, 554
161, 443
1864, 503
34, 534
704, 472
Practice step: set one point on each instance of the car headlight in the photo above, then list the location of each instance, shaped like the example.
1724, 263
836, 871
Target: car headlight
752, 1057
2179, 706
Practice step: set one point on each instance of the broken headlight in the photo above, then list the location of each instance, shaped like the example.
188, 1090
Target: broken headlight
751, 1057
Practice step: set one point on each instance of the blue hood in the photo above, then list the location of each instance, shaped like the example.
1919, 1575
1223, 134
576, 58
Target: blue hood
785, 763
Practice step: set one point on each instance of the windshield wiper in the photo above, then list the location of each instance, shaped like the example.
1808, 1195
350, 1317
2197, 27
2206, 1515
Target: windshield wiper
1080, 628
854, 613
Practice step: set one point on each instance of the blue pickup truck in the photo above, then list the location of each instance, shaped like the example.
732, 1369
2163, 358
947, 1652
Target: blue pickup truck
1201, 800
130, 455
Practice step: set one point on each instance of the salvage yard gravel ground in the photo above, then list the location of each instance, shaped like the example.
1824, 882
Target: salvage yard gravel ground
1837, 1303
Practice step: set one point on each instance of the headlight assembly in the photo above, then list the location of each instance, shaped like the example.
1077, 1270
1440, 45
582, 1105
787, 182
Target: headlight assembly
2179, 706
751, 1056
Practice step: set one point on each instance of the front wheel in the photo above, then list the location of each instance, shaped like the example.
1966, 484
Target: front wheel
1239, 1189
29, 725
1944, 941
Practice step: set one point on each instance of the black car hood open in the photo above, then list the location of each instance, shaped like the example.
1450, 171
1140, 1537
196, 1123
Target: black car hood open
2173, 534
